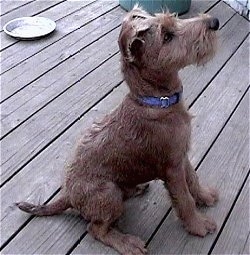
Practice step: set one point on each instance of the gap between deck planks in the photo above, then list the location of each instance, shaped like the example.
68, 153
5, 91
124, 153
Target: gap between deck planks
148, 206
8, 6
33, 98
23, 50
171, 238
225, 167
31, 9
20, 76
234, 238
201, 141
56, 13
195, 87
11, 108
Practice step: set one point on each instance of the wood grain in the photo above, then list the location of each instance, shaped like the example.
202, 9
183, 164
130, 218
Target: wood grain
138, 221
8, 6
21, 77
52, 120
24, 49
171, 231
225, 167
39, 180
31, 9
235, 236
41, 177
11, 162
55, 13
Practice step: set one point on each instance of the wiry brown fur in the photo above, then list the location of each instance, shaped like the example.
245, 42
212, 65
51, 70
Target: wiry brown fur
139, 143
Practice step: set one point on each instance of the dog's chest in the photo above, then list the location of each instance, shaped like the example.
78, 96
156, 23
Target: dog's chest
172, 137
155, 147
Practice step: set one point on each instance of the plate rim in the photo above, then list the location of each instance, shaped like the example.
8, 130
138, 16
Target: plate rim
31, 36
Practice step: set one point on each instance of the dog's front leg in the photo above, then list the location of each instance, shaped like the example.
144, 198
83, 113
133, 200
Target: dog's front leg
202, 195
184, 204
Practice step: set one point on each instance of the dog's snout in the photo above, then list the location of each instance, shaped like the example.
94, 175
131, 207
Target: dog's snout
214, 24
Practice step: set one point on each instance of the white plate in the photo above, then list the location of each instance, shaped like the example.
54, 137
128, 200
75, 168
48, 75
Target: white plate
29, 27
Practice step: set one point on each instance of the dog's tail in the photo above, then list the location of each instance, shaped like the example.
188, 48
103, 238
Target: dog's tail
53, 208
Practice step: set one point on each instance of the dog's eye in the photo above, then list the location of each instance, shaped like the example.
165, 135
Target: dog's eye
168, 36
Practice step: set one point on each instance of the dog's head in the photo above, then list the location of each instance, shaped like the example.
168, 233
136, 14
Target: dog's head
164, 42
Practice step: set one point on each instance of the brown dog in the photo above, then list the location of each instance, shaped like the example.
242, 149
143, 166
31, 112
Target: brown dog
146, 137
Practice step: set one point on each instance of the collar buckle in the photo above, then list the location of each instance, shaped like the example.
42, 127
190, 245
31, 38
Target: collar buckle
165, 102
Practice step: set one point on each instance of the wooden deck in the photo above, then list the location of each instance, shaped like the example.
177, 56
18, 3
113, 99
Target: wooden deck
53, 88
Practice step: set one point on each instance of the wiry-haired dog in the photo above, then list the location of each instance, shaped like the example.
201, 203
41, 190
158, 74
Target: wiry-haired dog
146, 137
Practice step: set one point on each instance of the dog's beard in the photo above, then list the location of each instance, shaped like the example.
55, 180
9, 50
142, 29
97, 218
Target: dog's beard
207, 48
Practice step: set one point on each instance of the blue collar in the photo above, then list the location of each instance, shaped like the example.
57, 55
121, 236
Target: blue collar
163, 102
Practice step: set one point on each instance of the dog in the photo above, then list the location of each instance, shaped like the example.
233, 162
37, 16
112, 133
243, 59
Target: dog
146, 137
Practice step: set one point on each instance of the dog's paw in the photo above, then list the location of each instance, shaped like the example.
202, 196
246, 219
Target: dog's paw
207, 197
133, 245
200, 225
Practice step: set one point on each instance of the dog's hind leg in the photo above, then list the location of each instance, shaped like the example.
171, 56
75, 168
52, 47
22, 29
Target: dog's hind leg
103, 208
202, 195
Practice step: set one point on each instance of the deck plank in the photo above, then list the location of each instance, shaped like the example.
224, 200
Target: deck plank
227, 45
221, 11
198, 6
235, 236
38, 180
225, 167
30, 9
55, 13
13, 162
43, 179
8, 6
20, 75
143, 226
247, 245
25, 49
58, 115
219, 99
205, 113
68, 47
44, 91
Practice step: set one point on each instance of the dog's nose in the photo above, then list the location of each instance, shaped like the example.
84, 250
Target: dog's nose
214, 24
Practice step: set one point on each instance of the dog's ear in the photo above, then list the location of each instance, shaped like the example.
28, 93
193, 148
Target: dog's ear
131, 40
135, 49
